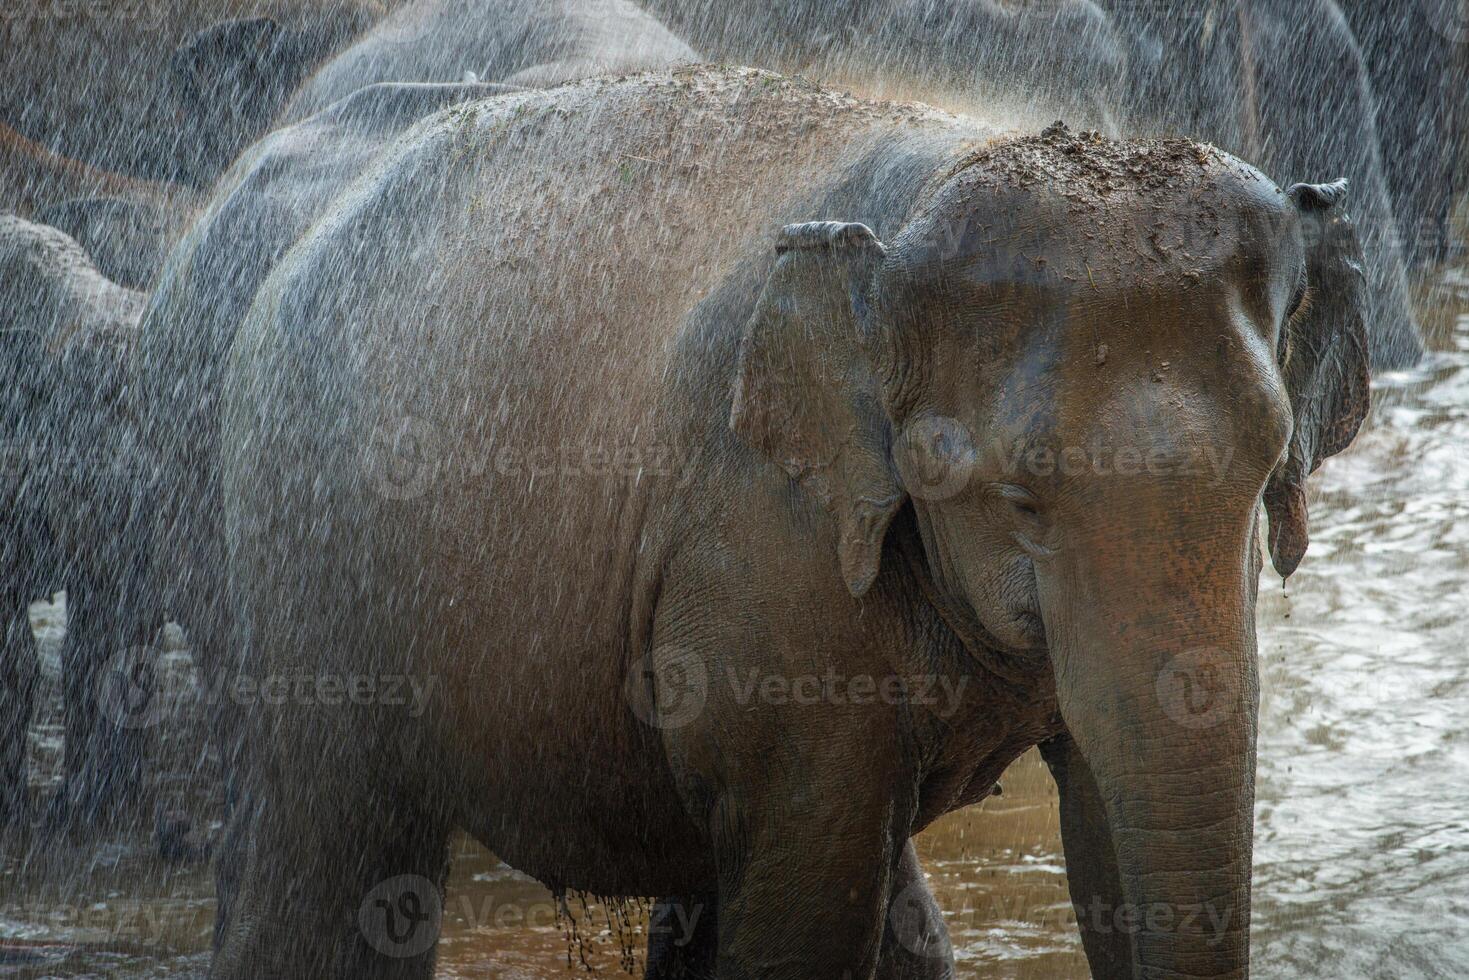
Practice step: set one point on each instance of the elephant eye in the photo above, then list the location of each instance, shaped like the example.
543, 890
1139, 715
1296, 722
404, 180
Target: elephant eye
1299, 305
1298, 302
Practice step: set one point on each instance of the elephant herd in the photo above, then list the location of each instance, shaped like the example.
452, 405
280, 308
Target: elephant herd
251, 278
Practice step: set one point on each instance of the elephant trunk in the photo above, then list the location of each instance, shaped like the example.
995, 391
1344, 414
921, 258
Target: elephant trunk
1150, 624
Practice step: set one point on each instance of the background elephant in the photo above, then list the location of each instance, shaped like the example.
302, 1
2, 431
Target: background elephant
1417, 59
126, 238
519, 42
1019, 62
76, 486
33, 177
585, 494
1283, 84
100, 83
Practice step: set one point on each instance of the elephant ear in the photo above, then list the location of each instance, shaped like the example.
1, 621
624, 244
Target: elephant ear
1324, 361
806, 396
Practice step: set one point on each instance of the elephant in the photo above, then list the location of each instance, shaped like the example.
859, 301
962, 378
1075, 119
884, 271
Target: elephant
224, 86
1059, 58
1417, 60
127, 239
1284, 83
675, 533
102, 83
518, 42
75, 488
33, 178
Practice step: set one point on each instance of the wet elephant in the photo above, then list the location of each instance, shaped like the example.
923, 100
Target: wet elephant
33, 178
75, 485
1417, 58
272, 195
681, 532
518, 42
1285, 85
683, 932
98, 82
224, 87
126, 238
1049, 59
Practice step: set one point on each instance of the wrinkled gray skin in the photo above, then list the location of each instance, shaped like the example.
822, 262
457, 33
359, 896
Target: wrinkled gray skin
1282, 83
223, 85
556, 483
263, 205
518, 42
1061, 58
74, 483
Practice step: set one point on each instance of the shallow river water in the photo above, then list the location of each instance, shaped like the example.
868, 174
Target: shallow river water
1362, 825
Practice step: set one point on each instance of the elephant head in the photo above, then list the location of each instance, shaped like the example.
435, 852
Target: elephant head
223, 87
1081, 364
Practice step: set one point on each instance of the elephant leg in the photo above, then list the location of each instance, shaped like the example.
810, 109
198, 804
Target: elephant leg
19, 671
230, 852
683, 938
216, 663
110, 707
683, 932
337, 883
78, 703
915, 944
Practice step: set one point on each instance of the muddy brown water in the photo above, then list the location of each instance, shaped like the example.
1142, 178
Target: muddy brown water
1362, 824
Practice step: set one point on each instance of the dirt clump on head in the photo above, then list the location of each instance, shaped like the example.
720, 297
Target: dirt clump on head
1087, 166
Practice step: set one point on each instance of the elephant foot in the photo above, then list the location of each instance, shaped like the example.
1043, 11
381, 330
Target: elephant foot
683, 932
